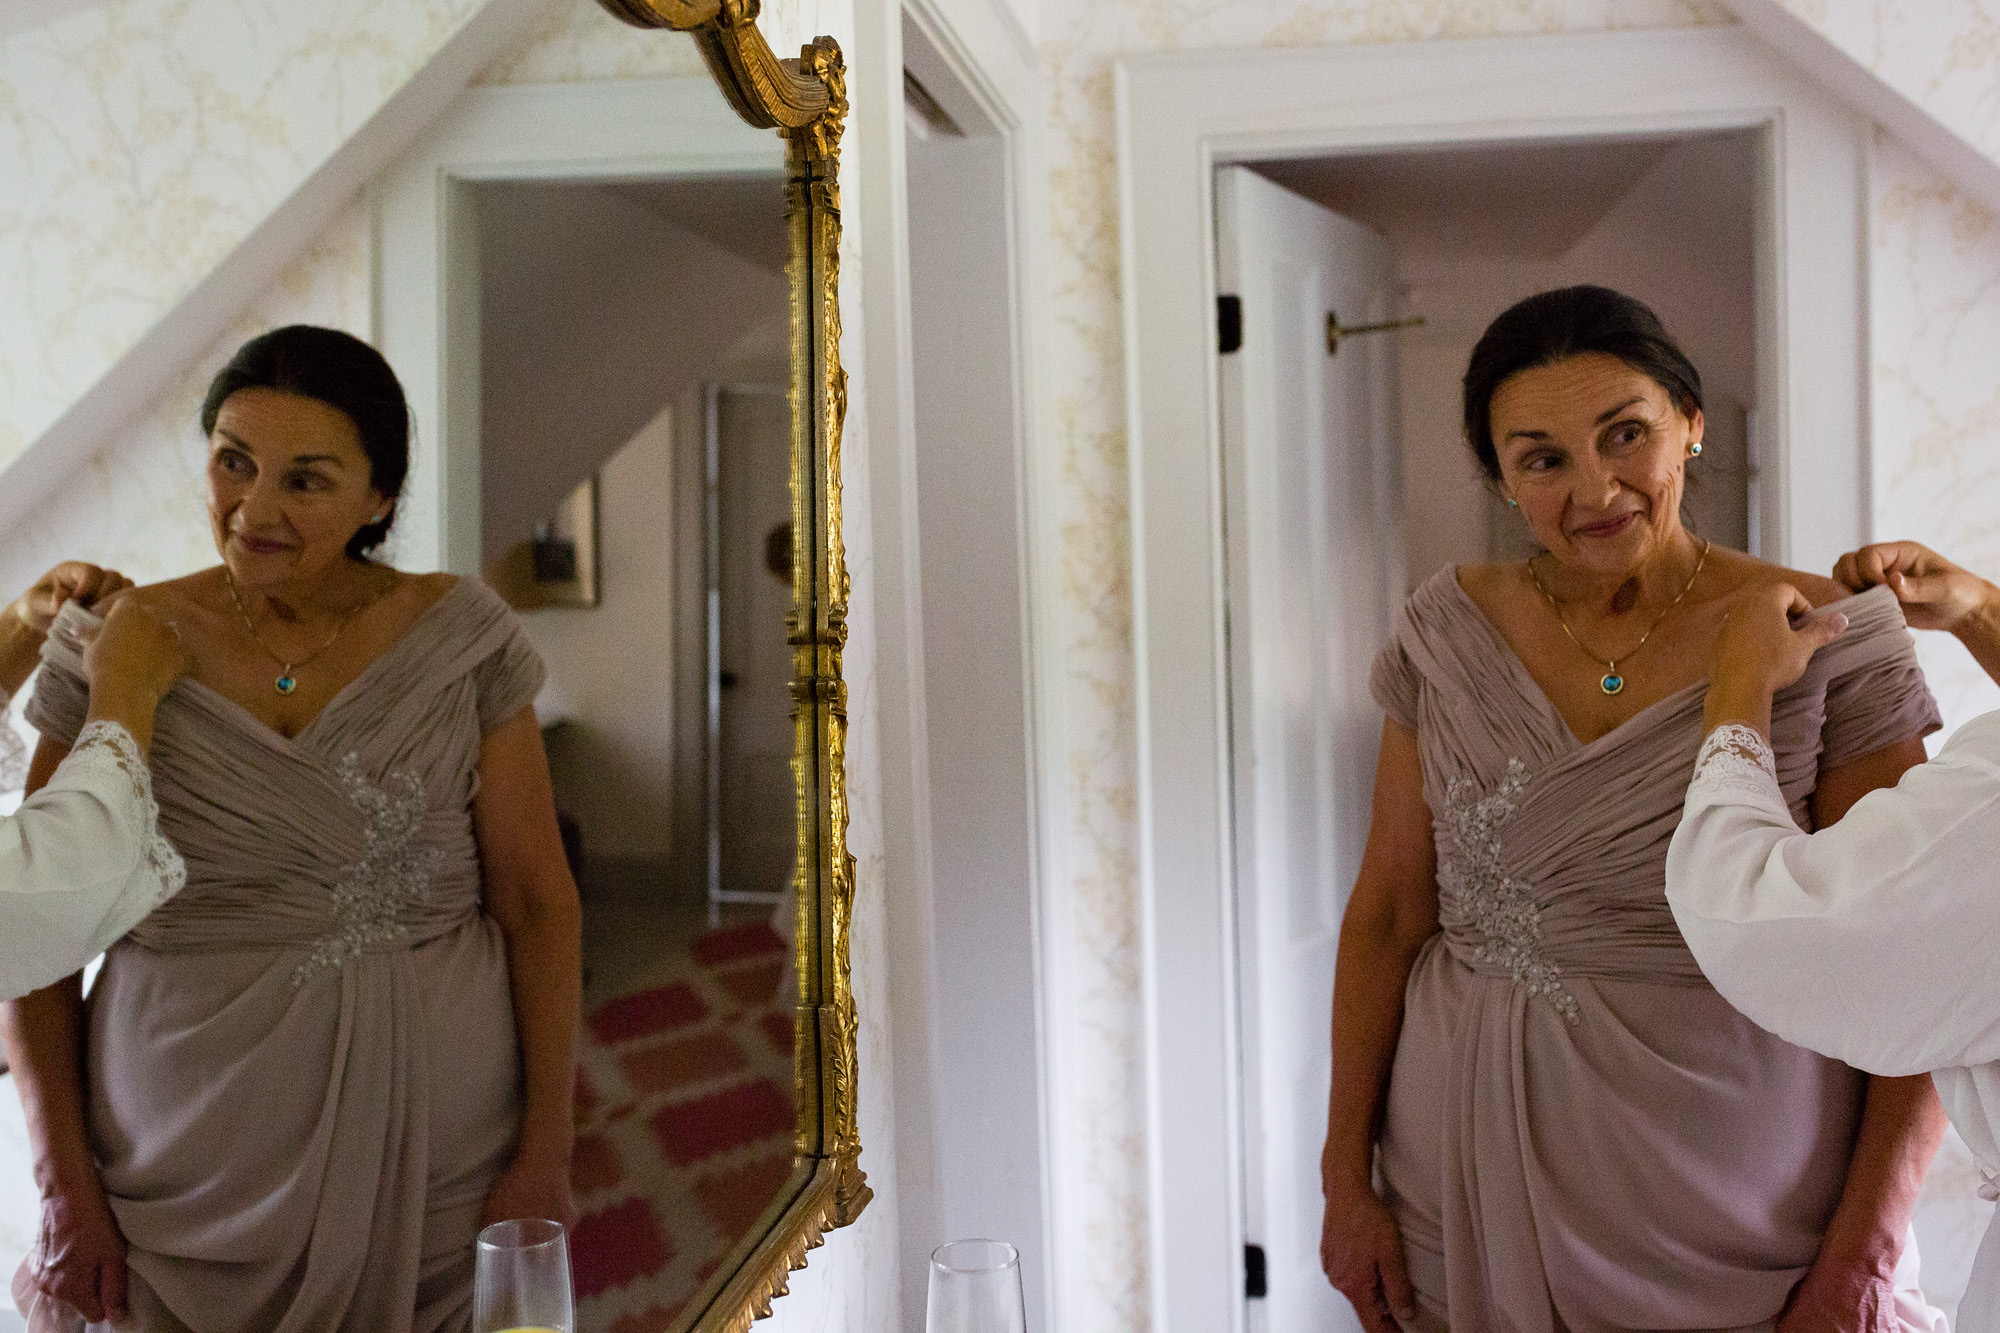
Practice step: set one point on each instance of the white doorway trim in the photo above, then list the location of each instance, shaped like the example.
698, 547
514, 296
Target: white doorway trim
973, 55
426, 252
1178, 117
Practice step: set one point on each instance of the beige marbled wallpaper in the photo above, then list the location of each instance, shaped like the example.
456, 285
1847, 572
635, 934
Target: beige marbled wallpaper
139, 505
142, 141
1941, 54
1935, 300
583, 43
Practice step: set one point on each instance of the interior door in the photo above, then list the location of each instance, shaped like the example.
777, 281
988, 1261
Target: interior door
752, 844
1314, 547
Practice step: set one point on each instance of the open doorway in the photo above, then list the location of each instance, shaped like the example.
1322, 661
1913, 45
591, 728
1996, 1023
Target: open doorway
1340, 414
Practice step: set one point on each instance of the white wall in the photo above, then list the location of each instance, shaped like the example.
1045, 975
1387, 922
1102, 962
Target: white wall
611, 666
595, 313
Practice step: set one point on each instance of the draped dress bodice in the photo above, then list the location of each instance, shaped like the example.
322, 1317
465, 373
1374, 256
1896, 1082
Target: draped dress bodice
1580, 1133
302, 1072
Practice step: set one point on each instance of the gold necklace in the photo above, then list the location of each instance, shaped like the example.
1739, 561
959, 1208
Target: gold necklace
288, 679
1612, 682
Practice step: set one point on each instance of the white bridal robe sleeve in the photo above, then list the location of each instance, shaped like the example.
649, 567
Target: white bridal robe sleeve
82, 861
1875, 941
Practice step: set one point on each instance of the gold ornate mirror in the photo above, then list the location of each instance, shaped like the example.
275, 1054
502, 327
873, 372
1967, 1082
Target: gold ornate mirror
805, 101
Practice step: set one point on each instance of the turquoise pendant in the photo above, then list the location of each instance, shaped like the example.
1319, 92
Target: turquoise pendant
1611, 684
287, 683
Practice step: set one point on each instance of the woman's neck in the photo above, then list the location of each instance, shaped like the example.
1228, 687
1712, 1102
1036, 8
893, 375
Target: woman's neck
326, 594
1658, 579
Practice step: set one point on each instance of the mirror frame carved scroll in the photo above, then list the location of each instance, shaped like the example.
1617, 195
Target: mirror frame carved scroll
805, 101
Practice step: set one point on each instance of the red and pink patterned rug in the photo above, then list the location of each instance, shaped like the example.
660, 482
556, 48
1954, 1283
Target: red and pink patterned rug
684, 1127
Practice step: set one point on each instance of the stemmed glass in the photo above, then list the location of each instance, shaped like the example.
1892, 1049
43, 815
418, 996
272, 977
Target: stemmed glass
520, 1279
976, 1288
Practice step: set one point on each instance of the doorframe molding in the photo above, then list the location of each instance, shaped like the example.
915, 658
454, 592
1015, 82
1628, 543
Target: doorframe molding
1180, 115
426, 252
981, 46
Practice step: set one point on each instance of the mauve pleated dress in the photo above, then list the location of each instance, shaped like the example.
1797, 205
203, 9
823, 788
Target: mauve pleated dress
302, 1072
1580, 1133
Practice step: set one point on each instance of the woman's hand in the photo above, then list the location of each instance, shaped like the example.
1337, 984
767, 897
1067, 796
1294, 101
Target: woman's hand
25, 622
71, 581
1935, 593
1758, 652
79, 1255
1362, 1253
531, 1186
1836, 1296
132, 661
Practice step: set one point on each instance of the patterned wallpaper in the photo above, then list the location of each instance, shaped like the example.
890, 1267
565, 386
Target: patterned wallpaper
142, 141
1941, 54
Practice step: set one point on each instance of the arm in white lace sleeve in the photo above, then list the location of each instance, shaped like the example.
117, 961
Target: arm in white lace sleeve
81, 862
1876, 941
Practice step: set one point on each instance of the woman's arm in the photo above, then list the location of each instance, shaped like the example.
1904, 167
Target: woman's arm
530, 894
1393, 911
1902, 1125
79, 1254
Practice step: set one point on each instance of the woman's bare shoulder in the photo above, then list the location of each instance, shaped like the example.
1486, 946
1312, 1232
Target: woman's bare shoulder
1744, 571
204, 588
1496, 588
1490, 579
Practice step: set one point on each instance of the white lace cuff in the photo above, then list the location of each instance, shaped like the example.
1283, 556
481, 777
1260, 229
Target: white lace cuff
1736, 763
13, 750
106, 749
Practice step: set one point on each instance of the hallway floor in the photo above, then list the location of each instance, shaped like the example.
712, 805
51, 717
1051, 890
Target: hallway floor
684, 1098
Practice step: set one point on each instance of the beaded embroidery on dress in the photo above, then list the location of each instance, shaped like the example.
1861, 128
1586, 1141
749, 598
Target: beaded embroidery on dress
1472, 869
395, 869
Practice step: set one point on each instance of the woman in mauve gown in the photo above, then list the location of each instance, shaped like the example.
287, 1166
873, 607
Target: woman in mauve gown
1542, 1117
298, 1089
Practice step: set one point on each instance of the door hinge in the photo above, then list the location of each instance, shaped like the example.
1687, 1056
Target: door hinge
1255, 1280
1229, 323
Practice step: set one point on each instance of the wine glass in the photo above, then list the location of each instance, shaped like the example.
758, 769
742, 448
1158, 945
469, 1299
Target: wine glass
520, 1281
976, 1288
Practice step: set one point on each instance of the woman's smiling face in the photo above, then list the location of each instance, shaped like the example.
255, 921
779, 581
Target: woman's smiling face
1595, 453
288, 486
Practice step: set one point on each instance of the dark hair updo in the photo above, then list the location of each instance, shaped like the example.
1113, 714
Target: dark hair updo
1554, 326
346, 374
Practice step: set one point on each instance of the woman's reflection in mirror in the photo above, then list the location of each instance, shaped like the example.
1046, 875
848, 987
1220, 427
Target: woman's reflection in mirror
297, 1091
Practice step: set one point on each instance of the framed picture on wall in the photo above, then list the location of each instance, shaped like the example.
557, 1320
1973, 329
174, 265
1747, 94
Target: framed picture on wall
557, 566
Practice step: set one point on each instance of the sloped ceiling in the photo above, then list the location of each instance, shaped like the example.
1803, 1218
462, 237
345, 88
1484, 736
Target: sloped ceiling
160, 161
1927, 71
